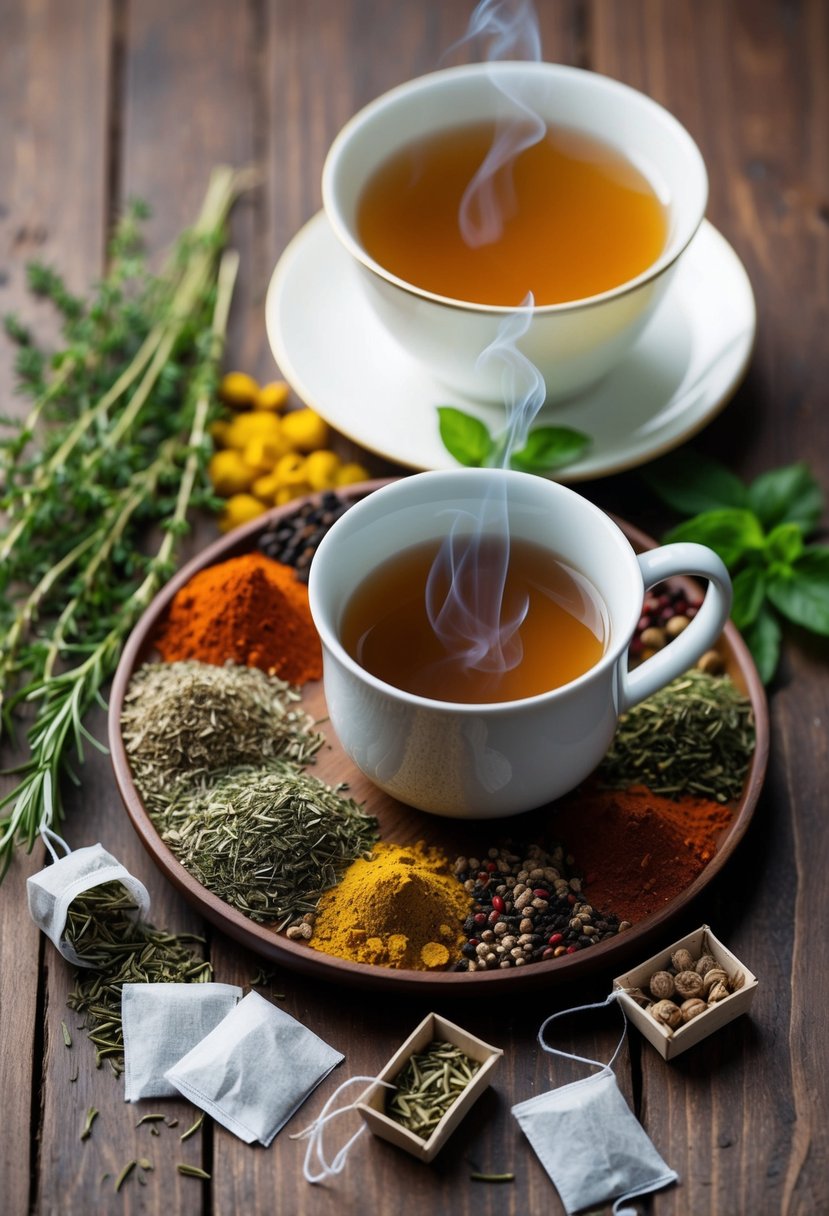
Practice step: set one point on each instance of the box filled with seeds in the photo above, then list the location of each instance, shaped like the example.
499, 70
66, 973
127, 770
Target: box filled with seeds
438, 1073
686, 992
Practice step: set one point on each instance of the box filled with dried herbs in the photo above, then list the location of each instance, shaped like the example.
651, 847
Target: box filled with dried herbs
438, 1073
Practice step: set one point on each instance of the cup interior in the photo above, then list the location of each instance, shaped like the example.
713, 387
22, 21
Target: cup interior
426, 506
642, 130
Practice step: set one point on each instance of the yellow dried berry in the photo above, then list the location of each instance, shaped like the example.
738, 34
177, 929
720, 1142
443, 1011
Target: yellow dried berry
258, 424
349, 474
265, 487
228, 473
261, 455
290, 470
321, 469
240, 509
272, 396
238, 389
218, 432
286, 494
305, 430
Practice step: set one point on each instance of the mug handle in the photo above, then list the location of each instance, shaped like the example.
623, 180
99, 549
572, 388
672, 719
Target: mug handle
657, 564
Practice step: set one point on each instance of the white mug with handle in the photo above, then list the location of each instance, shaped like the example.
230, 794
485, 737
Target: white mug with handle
489, 760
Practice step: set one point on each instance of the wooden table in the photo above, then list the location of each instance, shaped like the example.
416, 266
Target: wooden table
103, 99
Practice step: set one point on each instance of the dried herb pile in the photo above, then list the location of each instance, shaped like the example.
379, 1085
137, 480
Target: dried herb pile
695, 736
193, 718
267, 839
430, 1083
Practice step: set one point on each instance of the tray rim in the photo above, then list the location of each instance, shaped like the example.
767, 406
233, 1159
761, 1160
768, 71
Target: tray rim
276, 947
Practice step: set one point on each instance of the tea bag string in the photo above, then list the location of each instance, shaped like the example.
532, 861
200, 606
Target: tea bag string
569, 1055
47, 836
313, 1133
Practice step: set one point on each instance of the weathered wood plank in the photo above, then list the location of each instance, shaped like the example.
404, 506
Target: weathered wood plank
738, 1117
53, 100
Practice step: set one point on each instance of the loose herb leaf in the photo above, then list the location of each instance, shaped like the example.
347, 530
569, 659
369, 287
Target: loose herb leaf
731, 532
802, 592
693, 484
464, 437
784, 544
787, 496
548, 448
749, 594
762, 637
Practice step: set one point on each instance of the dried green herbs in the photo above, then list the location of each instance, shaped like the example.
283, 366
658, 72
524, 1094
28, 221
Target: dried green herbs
102, 927
695, 736
267, 839
190, 717
432, 1080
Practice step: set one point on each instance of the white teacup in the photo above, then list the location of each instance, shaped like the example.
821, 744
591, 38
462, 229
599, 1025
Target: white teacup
487, 760
572, 344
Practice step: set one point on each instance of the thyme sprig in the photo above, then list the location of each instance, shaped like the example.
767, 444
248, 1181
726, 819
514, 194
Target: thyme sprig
113, 449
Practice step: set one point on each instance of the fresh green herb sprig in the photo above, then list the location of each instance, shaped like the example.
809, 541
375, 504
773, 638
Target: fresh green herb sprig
114, 445
547, 448
760, 531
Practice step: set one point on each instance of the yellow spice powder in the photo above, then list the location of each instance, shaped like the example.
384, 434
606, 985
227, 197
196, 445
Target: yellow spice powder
403, 908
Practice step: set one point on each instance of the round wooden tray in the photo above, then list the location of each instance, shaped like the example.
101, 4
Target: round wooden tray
402, 824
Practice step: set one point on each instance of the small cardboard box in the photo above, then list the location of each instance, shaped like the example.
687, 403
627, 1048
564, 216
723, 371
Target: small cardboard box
372, 1102
670, 1043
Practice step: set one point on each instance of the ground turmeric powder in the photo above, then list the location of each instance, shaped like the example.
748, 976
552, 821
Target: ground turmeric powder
404, 908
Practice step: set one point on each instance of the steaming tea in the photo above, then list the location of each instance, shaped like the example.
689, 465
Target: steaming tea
577, 218
468, 631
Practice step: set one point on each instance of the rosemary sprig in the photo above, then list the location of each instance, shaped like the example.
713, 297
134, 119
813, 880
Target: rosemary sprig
114, 444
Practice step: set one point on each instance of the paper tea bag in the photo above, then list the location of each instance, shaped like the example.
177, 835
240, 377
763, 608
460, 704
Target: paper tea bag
254, 1070
587, 1137
161, 1023
52, 890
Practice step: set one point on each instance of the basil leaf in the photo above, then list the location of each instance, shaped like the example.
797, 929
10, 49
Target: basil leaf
550, 447
692, 484
784, 543
749, 593
464, 437
730, 533
763, 640
787, 496
802, 592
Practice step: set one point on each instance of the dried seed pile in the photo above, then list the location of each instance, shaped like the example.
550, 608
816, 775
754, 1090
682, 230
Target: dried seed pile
267, 839
294, 539
431, 1081
526, 910
191, 717
688, 988
102, 927
694, 736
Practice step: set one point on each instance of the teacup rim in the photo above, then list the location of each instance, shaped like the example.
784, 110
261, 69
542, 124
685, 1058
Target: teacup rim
612, 654
673, 250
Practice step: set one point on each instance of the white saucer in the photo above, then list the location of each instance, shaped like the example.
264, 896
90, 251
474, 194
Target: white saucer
340, 360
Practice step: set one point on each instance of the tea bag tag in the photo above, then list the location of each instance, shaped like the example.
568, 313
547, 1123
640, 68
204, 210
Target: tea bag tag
588, 1139
313, 1133
52, 889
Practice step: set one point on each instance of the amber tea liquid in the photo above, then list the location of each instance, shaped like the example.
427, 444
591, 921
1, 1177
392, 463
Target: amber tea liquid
578, 218
386, 626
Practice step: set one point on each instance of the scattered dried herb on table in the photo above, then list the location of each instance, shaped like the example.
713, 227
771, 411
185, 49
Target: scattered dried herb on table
695, 736
114, 444
429, 1084
268, 840
119, 949
194, 718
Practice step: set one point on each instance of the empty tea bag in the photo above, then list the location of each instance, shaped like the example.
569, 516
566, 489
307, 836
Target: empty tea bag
161, 1023
588, 1139
52, 889
254, 1070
